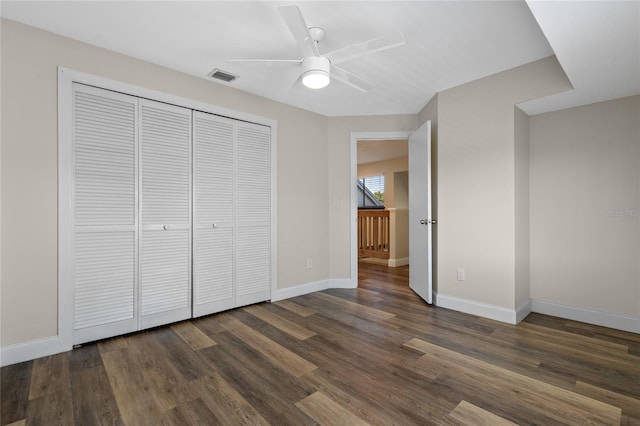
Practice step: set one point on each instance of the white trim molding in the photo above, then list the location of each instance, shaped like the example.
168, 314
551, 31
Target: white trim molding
590, 316
353, 155
523, 310
498, 313
401, 261
26, 351
66, 79
343, 283
302, 289
299, 290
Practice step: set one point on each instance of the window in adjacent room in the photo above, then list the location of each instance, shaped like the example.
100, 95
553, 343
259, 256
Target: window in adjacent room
371, 192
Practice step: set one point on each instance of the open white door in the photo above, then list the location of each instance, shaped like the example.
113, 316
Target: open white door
420, 219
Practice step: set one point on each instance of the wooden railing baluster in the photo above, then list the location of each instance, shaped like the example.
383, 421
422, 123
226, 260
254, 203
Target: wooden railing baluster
373, 233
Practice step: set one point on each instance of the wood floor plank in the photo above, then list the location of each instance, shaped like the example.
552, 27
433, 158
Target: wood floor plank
588, 344
369, 370
261, 384
375, 389
192, 335
470, 415
355, 308
180, 355
136, 405
376, 354
630, 406
277, 354
84, 357
50, 374
556, 402
194, 413
295, 308
15, 381
93, 399
229, 407
289, 327
327, 412
613, 377
113, 344
162, 376
465, 340
53, 408
211, 324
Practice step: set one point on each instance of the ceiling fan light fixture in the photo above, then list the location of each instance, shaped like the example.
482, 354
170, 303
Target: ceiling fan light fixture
315, 79
315, 72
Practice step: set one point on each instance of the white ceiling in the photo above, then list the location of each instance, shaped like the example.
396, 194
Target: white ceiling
447, 44
370, 151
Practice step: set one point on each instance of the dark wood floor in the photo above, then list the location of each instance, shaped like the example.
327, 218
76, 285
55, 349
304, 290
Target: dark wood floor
375, 355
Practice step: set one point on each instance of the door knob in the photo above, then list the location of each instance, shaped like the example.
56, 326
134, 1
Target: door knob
424, 221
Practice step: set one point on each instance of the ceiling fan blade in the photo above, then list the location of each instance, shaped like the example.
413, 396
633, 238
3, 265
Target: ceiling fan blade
300, 30
280, 63
366, 48
350, 79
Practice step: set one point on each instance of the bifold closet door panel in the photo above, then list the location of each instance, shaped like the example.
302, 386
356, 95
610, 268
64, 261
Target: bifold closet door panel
253, 217
165, 200
213, 215
104, 176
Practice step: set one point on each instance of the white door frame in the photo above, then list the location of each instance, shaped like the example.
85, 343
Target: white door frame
66, 77
353, 218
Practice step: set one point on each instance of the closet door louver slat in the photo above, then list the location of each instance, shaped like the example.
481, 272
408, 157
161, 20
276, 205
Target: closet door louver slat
104, 214
213, 265
253, 218
166, 213
165, 196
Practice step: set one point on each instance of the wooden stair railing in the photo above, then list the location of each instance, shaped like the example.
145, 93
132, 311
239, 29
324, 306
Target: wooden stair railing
373, 233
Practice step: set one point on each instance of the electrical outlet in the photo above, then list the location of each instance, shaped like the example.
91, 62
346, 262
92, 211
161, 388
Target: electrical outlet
309, 263
460, 274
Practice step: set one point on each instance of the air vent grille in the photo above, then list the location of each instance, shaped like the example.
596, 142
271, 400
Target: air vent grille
225, 76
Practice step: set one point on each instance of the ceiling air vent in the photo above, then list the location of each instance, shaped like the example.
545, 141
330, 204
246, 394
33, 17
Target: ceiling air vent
227, 77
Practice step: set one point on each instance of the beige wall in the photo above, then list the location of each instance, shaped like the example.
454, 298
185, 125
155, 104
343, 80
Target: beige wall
30, 58
476, 180
388, 169
401, 190
585, 191
339, 165
479, 147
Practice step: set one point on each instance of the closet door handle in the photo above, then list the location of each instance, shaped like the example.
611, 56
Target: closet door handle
165, 227
214, 225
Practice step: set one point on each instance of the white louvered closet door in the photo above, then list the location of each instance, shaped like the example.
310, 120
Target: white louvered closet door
104, 176
253, 215
213, 215
165, 197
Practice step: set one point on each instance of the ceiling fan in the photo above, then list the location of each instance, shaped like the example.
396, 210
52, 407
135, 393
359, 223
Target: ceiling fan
317, 69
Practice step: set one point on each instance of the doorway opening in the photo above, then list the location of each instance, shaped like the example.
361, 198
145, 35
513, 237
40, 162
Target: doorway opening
385, 240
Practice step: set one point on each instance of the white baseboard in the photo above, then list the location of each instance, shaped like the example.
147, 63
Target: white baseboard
299, 290
523, 310
402, 261
375, 261
26, 351
343, 283
604, 319
472, 307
